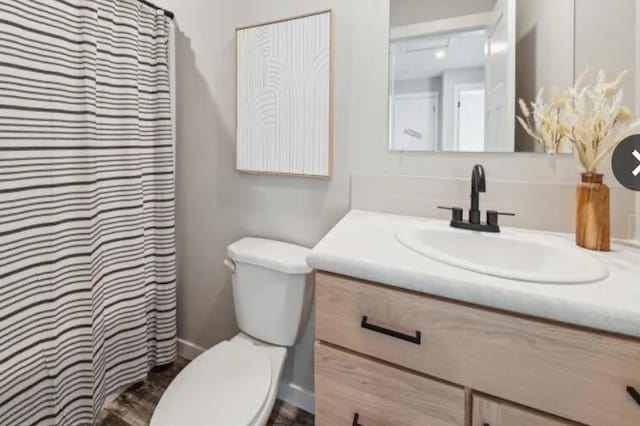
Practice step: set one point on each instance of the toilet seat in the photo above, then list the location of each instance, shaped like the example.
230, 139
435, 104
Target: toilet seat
227, 385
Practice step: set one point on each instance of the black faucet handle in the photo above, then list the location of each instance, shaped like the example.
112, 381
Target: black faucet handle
492, 216
456, 213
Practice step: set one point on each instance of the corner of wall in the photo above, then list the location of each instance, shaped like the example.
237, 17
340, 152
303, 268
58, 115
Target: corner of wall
297, 396
635, 220
635, 224
189, 350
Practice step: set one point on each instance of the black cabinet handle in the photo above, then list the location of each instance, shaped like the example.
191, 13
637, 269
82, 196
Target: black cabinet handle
634, 394
406, 337
355, 420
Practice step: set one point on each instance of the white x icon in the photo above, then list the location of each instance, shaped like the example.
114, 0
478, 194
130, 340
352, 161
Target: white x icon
636, 154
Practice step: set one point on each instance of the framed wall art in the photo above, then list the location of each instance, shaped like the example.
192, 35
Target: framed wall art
284, 97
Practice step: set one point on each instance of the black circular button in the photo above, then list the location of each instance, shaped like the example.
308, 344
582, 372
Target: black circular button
625, 163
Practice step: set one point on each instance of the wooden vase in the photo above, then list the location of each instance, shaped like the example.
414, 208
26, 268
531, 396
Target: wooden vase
592, 213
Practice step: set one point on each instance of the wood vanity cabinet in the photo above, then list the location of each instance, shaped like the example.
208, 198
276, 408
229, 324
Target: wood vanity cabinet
386, 356
357, 390
487, 411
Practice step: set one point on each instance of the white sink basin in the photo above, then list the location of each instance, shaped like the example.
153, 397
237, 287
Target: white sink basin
511, 254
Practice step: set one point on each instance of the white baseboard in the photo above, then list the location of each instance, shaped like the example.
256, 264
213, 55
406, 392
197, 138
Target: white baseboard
288, 392
189, 350
297, 396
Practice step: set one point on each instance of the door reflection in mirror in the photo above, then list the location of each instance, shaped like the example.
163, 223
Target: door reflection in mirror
457, 68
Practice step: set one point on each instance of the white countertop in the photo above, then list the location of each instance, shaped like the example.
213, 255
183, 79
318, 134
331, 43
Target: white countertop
364, 245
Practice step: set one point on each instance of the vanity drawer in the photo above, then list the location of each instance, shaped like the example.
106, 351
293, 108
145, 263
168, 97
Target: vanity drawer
348, 385
489, 412
569, 372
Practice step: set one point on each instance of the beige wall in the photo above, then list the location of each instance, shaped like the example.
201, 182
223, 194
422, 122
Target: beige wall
216, 205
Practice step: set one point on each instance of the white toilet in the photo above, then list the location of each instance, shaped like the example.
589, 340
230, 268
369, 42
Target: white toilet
235, 383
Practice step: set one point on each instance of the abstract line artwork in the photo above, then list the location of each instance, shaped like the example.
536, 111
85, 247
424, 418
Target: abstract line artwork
284, 97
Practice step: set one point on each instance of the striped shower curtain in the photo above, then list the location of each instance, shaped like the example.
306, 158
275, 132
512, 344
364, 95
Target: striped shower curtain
87, 245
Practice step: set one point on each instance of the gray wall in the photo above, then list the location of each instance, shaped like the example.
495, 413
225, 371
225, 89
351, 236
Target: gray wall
217, 205
618, 20
433, 84
612, 47
544, 53
406, 12
636, 220
637, 76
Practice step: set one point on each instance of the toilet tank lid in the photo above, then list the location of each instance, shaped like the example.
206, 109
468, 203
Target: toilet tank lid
276, 255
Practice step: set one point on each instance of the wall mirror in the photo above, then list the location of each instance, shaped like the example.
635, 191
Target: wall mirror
457, 68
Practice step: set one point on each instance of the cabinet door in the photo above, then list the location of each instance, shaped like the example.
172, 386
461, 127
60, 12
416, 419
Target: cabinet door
353, 390
580, 375
489, 412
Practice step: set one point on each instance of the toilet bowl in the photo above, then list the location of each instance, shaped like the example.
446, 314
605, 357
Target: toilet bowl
235, 383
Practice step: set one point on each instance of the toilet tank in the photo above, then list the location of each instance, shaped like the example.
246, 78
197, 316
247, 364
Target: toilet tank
272, 288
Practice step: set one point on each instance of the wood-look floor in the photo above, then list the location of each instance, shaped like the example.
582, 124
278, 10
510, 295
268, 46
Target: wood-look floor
136, 405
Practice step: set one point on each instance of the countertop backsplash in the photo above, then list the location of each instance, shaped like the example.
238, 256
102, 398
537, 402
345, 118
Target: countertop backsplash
541, 206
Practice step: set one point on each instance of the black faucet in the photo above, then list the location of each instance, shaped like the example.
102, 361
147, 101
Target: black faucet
478, 185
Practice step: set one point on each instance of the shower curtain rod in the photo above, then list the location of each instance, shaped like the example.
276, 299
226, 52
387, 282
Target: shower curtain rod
167, 13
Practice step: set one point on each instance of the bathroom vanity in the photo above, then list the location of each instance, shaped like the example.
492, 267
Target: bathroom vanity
403, 339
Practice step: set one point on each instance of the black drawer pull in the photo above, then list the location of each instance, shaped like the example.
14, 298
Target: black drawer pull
406, 337
634, 394
356, 416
